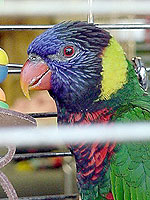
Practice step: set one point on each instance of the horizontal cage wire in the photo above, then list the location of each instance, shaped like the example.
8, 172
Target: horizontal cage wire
104, 26
49, 197
26, 156
43, 115
18, 71
65, 135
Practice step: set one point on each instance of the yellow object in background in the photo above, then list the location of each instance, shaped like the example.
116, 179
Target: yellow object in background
3, 75
24, 166
3, 57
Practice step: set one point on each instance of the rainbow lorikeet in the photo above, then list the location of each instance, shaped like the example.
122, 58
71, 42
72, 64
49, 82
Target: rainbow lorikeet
88, 75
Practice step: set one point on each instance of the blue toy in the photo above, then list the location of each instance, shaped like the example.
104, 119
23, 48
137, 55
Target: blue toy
3, 72
3, 75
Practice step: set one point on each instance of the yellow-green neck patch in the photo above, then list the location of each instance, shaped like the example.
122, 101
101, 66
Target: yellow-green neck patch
114, 65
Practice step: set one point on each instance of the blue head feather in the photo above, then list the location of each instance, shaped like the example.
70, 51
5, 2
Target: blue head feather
75, 81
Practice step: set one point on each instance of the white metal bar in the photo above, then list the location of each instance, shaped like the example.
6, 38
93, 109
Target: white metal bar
15, 65
23, 27
104, 26
14, 71
68, 178
52, 135
90, 13
69, 7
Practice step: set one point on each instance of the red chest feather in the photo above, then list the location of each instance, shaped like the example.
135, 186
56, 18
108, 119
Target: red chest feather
92, 159
100, 116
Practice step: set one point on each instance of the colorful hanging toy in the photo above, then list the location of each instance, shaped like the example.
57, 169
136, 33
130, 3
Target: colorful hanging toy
3, 74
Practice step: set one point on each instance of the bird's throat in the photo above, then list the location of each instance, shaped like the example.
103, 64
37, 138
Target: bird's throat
85, 117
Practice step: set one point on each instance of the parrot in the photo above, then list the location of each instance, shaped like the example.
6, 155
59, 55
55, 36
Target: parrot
87, 73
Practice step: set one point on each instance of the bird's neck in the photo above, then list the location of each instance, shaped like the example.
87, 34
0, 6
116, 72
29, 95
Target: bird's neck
87, 117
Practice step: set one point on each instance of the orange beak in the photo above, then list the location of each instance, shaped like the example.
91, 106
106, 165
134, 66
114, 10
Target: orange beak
35, 76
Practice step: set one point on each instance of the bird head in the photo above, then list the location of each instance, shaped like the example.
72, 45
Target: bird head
71, 61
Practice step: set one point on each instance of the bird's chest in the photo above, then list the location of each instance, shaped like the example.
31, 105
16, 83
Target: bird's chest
92, 160
85, 117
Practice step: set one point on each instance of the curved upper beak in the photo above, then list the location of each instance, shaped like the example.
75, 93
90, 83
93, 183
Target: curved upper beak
35, 75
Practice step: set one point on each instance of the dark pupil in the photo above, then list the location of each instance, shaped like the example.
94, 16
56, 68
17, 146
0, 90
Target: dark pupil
68, 51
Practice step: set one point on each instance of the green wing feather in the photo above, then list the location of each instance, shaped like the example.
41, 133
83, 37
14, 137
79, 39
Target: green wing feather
130, 166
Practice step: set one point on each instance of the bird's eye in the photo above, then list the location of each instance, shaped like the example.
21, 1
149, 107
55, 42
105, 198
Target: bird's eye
69, 51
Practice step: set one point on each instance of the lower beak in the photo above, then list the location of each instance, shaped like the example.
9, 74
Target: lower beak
35, 76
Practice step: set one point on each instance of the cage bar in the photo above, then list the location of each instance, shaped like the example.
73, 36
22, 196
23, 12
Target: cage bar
26, 156
104, 26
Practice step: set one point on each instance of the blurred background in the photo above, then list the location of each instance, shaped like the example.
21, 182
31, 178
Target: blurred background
48, 176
